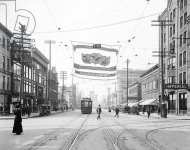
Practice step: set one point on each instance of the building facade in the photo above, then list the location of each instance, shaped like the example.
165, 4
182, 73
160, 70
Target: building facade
175, 44
150, 83
5, 69
133, 76
34, 77
135, 92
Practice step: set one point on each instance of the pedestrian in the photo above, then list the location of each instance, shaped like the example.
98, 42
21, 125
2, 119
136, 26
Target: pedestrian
117, 111
17, 127
99, 110
148, 111
28, 110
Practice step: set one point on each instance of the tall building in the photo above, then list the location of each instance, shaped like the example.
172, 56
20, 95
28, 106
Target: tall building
174, 41
133, 76
5, 70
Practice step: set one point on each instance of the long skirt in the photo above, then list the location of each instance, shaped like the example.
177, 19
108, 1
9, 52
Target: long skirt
17, 128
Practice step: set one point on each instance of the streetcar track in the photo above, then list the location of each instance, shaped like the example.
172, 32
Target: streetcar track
49, 136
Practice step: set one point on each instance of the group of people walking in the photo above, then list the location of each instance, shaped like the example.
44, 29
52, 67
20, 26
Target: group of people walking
99, 111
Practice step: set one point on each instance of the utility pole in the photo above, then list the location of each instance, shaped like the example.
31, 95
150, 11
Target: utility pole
64, 74
127, 62
161, 55
50, 42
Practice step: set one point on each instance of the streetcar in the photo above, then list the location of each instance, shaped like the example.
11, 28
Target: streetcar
86, 106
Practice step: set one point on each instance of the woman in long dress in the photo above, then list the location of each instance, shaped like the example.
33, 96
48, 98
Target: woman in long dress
17, 128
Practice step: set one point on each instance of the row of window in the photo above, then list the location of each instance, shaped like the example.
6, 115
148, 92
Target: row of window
150, 85
183, 4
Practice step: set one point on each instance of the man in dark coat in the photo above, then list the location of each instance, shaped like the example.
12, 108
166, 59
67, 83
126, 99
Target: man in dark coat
17, 128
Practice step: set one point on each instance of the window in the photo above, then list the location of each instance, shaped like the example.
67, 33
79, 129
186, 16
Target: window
8, 64
180, 78
3, 42
181, 39
184, 37
4, 62
170, 31
8, 83
164, 37
181, 21
3, 82
185, 3
185, 18
180, 60
171, 16
8, 44
184, 58
174, 13
173, 29
181, 4
184, 77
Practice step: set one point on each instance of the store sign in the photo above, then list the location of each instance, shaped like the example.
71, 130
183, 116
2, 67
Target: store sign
176, 86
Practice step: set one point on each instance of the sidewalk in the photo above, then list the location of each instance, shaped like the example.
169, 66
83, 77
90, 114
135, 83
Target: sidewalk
32, 115
169, 116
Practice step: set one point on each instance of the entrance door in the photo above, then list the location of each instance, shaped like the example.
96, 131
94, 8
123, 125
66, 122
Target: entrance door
183, 103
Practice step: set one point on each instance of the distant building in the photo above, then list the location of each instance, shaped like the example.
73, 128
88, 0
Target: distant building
133, 76
5, 69
135, 92
53, 88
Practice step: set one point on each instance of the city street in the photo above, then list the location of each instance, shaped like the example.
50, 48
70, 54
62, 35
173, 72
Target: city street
74, 131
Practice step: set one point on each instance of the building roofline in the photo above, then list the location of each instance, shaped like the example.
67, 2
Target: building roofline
40, 54
6, 30
150, 70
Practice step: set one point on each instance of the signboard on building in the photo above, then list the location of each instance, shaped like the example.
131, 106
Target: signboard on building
176, 86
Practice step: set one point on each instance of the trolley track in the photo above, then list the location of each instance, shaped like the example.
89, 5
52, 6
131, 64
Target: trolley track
51, 136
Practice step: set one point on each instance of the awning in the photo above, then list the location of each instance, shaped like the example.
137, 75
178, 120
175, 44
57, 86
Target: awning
133, 104
149, 102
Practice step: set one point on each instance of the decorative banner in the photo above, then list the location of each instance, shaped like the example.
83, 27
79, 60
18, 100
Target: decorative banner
95, 60
95, 74
77, 66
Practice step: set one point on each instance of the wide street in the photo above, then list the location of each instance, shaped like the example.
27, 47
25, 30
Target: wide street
74, 131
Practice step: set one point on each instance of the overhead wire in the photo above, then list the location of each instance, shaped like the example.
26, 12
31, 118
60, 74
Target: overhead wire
100, 26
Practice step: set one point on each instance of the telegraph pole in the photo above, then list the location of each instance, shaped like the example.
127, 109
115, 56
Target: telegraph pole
161, 55
50, 42
127, 62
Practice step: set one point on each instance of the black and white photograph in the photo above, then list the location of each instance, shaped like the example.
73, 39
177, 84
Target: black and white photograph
94, 74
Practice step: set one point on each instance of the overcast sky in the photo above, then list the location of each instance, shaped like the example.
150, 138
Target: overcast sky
112, 21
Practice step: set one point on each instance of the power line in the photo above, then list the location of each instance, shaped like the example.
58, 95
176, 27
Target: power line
100, 26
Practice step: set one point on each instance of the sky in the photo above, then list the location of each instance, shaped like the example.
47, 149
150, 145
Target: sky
112, 22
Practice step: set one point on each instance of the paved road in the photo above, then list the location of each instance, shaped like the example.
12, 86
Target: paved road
73, 131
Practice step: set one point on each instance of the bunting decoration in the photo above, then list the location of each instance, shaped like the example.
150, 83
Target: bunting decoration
95, 60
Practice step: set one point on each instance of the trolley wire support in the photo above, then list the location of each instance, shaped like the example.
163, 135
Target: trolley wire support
161, 54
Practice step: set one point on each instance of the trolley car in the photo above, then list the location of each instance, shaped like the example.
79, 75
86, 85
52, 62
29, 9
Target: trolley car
86, 106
